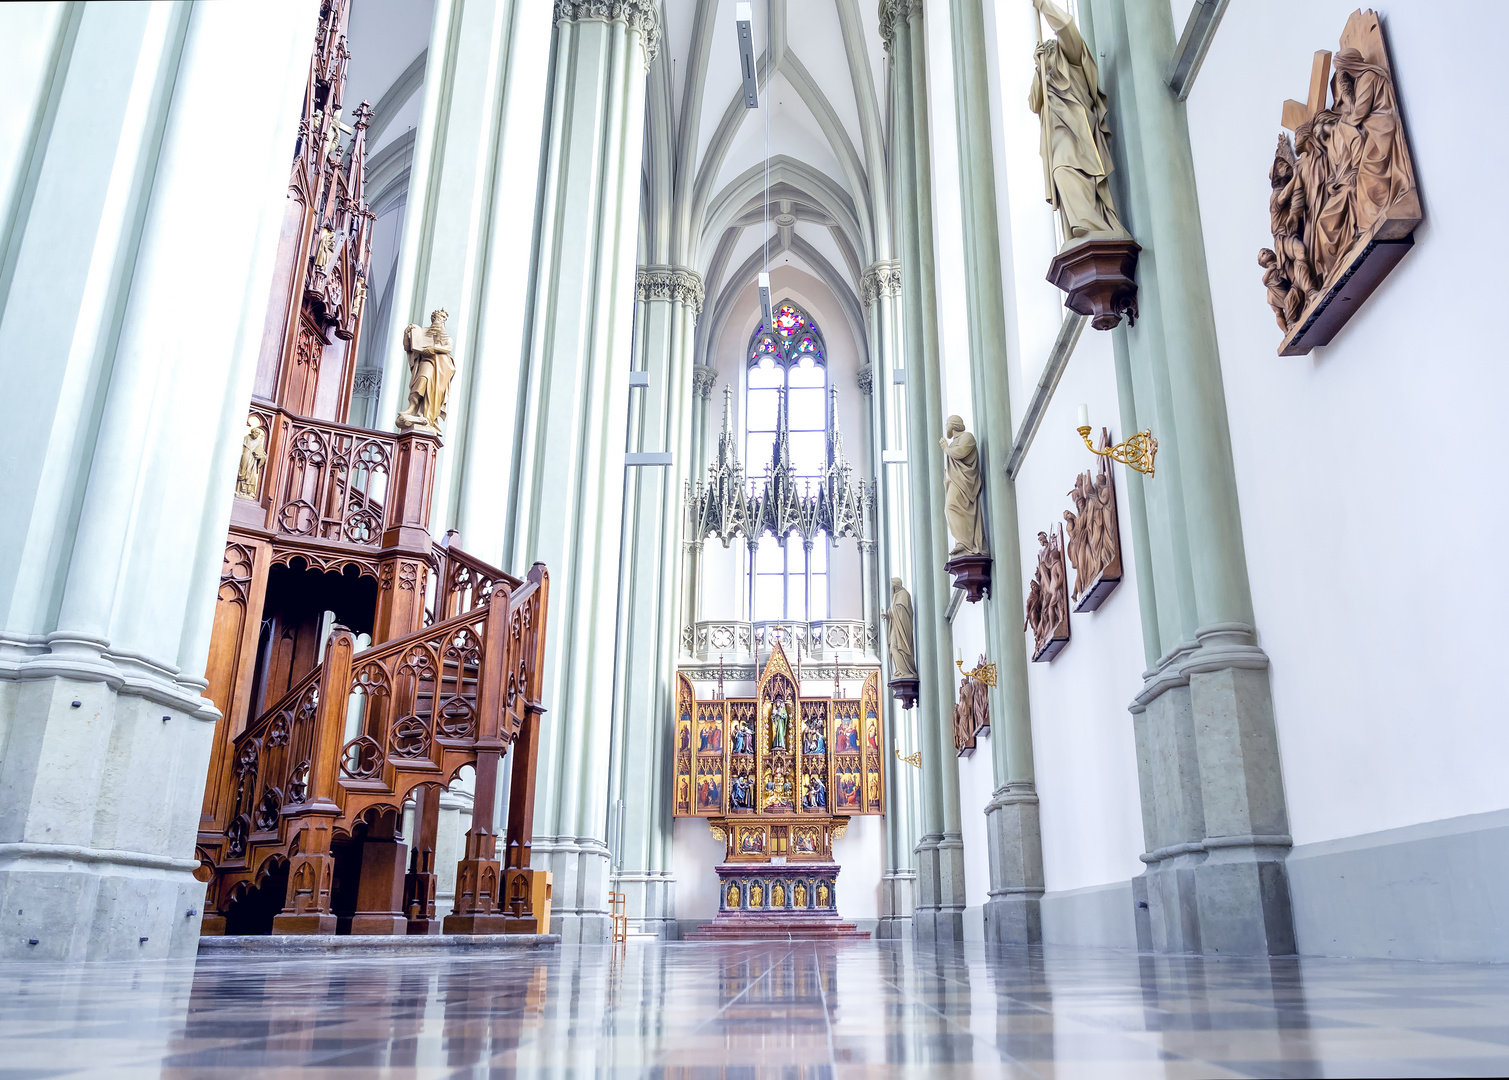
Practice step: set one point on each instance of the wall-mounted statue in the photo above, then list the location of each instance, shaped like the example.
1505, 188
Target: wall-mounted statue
1093, 541
901, 644
1344, 205
431, 368
1048, 599
968, 561
253, 458
1098, 259
961, 498
971, 714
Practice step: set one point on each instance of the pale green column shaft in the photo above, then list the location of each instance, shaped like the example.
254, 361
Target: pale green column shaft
1011, 749
940, 879
1215, 819
881, 292
669, 300
475, 167
568, 484
1015, 842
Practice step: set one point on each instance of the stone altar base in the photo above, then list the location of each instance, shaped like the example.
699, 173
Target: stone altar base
777, 900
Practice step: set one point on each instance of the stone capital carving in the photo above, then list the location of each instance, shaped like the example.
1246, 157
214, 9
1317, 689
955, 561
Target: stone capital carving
640, 15
703, 378
866, 379
675, 283
893, 12
882, 279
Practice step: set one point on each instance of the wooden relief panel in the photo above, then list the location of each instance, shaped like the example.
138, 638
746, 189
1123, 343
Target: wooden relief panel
685, 703
1094, 534
1344, 202
874, 742
1048, 598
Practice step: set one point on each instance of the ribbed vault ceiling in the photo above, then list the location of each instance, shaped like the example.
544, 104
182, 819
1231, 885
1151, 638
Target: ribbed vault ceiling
821, 69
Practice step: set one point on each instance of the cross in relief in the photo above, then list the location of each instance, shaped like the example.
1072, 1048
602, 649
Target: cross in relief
1297, 112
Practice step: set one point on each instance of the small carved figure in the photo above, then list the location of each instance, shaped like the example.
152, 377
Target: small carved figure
777, 896
756, 895
333, 139
799, 895
324, 249
1094, 538
1047, 596
822, 895
972, 713
253, 459
1286, 213
780, 725
900, 630
1076, 136
733, 896
1365, 96
431, 368
961, 499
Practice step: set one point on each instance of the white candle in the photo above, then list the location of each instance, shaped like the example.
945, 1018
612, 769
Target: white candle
1084, 416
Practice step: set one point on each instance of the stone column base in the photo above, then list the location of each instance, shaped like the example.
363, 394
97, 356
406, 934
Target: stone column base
1013, 914
651, 902
107, 745
939, 915
579, 901
898, 903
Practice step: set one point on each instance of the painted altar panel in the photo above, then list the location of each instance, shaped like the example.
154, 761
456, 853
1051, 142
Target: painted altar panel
874, 743
685, 703
710, 758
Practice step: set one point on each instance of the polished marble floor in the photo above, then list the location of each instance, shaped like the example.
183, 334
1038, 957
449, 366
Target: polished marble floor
754, 1010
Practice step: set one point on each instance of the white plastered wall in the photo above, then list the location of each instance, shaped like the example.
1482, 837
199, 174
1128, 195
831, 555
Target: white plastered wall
1366, 469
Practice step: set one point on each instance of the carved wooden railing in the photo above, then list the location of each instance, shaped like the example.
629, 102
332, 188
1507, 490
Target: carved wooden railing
424, 705
465, 582
342, 484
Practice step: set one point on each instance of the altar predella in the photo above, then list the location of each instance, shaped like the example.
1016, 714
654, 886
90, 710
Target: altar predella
1344, 202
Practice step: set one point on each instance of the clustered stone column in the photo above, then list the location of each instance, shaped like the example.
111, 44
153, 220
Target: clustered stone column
120, 466
1012, 914
1214, 816
940, 850
669, 300
569, 481
880, 292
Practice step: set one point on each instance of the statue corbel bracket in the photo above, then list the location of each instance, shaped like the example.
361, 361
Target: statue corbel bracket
1100, 278
972, 574
905, 691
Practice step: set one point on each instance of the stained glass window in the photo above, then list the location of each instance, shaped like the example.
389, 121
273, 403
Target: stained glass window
790, 357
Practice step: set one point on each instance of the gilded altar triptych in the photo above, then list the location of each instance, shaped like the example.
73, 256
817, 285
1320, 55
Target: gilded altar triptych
778, 759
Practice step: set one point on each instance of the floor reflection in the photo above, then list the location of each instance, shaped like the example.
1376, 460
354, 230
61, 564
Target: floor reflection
799, 1010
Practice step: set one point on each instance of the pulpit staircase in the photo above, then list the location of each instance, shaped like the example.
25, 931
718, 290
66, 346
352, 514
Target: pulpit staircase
357, 735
